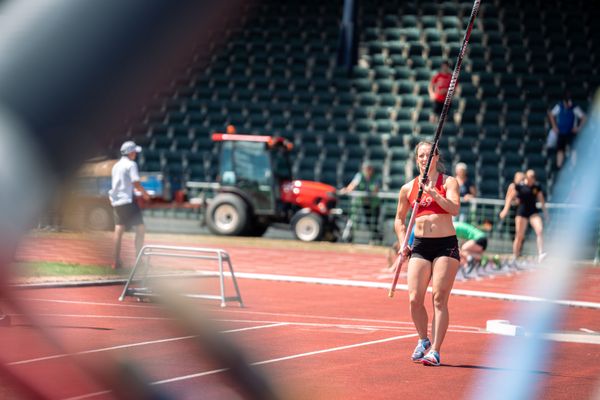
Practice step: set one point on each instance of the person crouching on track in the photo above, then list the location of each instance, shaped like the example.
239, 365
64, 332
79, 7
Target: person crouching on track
471, 251
435, 254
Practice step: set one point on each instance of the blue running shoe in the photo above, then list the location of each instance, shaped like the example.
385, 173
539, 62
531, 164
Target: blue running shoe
432, 358
420, 350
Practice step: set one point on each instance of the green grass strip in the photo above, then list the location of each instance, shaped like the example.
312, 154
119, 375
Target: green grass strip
39, 269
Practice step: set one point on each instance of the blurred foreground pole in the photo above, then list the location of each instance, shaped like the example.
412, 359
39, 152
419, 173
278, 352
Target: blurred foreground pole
71, 73
523, 357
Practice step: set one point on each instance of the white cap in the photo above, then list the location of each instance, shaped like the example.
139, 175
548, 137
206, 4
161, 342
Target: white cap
129, 147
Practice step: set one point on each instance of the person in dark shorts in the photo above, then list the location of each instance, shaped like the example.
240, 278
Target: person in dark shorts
435, 255
528, 192
475, 240
566, 119
126, 178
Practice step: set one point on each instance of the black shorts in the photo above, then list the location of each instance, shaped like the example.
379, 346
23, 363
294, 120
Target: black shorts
431, 248
564, 140
482, 241
525, 211
437, 107
128, 215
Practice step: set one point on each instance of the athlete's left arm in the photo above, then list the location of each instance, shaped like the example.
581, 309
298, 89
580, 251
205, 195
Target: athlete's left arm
450, 203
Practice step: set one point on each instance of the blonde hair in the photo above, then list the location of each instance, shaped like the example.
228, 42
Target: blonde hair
440, 167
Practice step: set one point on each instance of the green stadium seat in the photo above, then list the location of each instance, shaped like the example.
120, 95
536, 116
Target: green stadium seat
488, 144
426, 128
409, 101
511, 145
489, 158
406, 128
432, 33
388, 100
403, 73
403, 114
451, 22
468, 157
367, 99
405, 87
489, 189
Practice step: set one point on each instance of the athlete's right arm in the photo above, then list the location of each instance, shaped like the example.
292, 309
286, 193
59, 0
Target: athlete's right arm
401, 212
510, 195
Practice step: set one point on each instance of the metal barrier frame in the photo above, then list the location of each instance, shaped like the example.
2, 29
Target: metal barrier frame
143, 263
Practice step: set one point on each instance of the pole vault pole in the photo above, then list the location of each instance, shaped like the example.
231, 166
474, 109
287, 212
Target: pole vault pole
438, 132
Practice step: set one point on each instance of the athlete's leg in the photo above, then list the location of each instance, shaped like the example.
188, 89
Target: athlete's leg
538, 226
444, 272
419, 275
520, 229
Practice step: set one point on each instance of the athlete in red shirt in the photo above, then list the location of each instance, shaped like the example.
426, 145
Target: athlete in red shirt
435, 254
438, 87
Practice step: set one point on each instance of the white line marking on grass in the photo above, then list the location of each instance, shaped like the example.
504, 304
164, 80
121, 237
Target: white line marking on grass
126, 346
290, 357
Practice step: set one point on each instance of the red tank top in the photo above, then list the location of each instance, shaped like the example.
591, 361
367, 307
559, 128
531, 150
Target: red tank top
427, 206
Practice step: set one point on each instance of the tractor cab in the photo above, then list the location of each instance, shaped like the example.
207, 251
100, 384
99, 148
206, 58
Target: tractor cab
256, 188
255, 168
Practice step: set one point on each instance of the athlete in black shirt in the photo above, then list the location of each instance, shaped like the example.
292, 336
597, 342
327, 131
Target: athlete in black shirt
528, 192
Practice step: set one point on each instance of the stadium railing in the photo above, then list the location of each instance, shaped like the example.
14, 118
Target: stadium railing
475, 212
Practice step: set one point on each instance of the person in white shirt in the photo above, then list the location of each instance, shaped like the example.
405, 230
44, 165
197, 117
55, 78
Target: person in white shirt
125, 177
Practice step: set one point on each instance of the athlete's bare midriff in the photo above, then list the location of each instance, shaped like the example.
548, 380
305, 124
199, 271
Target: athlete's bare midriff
434, 226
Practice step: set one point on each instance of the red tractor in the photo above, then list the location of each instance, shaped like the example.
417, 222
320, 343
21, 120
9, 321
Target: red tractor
255, 189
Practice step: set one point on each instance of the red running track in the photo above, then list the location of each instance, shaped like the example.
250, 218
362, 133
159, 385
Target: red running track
311, 341
348, 262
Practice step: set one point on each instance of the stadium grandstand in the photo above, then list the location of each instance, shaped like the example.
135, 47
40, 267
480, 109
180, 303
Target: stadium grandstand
276, 72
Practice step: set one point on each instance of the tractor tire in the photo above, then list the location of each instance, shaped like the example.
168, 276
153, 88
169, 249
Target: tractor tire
227, 215
307, 226
256, 229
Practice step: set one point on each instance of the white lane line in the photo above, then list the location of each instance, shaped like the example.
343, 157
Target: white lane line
89, 395
588, 330
403, 325
571, 337
97, 316
381, 285
91, 303
325, 317
345, 326
376, 285
124, 346
252, 328
290, 357
138, 344
244, 311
